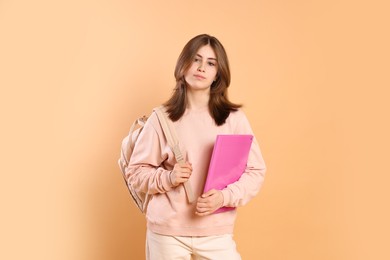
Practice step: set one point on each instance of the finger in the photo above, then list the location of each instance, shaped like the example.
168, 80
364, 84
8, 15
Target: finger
207, 205
203, 201
181, 180
202, 205
185, 175
202, 210
189, 165
201, 214
186, 165
208, 194
206, 197
185, 170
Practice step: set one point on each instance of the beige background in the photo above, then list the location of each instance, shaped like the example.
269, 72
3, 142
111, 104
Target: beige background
314, 79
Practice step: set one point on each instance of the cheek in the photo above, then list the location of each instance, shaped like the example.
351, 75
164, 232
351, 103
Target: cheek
193, 67
186, 78
214, 74
188, 72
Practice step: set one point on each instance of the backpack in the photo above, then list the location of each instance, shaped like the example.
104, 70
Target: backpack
142, 199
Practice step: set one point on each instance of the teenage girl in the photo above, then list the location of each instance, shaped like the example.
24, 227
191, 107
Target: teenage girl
200, 109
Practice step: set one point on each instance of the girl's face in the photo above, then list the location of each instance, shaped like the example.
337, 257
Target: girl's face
203, 70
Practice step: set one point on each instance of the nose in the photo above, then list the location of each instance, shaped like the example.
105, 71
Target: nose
201, 68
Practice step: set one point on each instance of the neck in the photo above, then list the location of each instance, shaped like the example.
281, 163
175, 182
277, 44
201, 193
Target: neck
197, 99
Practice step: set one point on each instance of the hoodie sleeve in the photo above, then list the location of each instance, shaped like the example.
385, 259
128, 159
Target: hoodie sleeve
242, 191
148, 170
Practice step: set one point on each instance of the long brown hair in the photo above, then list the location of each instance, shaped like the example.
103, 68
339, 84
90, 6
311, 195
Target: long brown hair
219, 104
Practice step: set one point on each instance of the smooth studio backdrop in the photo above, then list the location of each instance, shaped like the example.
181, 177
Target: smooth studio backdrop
313, 78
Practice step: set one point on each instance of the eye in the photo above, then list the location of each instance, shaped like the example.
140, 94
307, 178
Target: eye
211, 63
196, 59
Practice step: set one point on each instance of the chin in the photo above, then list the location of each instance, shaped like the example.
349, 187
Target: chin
199, 87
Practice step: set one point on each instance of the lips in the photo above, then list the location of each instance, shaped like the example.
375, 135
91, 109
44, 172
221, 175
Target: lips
199, 76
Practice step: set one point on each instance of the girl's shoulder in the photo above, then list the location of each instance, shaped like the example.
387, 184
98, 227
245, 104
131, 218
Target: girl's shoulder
236, 116
238, 121
152, 122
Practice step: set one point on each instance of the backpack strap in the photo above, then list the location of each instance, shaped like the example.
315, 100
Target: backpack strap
173, 142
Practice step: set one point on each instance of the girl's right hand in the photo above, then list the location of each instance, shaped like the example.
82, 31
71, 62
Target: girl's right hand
180, 173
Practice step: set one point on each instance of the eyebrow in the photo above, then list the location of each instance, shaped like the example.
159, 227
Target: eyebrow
207, 58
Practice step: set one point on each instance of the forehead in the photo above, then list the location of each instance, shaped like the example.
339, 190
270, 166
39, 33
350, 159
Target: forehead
207, 52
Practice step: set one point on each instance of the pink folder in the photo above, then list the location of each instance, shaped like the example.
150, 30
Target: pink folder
228, 162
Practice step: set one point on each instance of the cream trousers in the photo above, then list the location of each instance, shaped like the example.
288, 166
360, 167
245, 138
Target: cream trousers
161, 247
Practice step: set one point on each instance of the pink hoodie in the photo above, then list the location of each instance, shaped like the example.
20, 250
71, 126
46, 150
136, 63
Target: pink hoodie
168, 212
